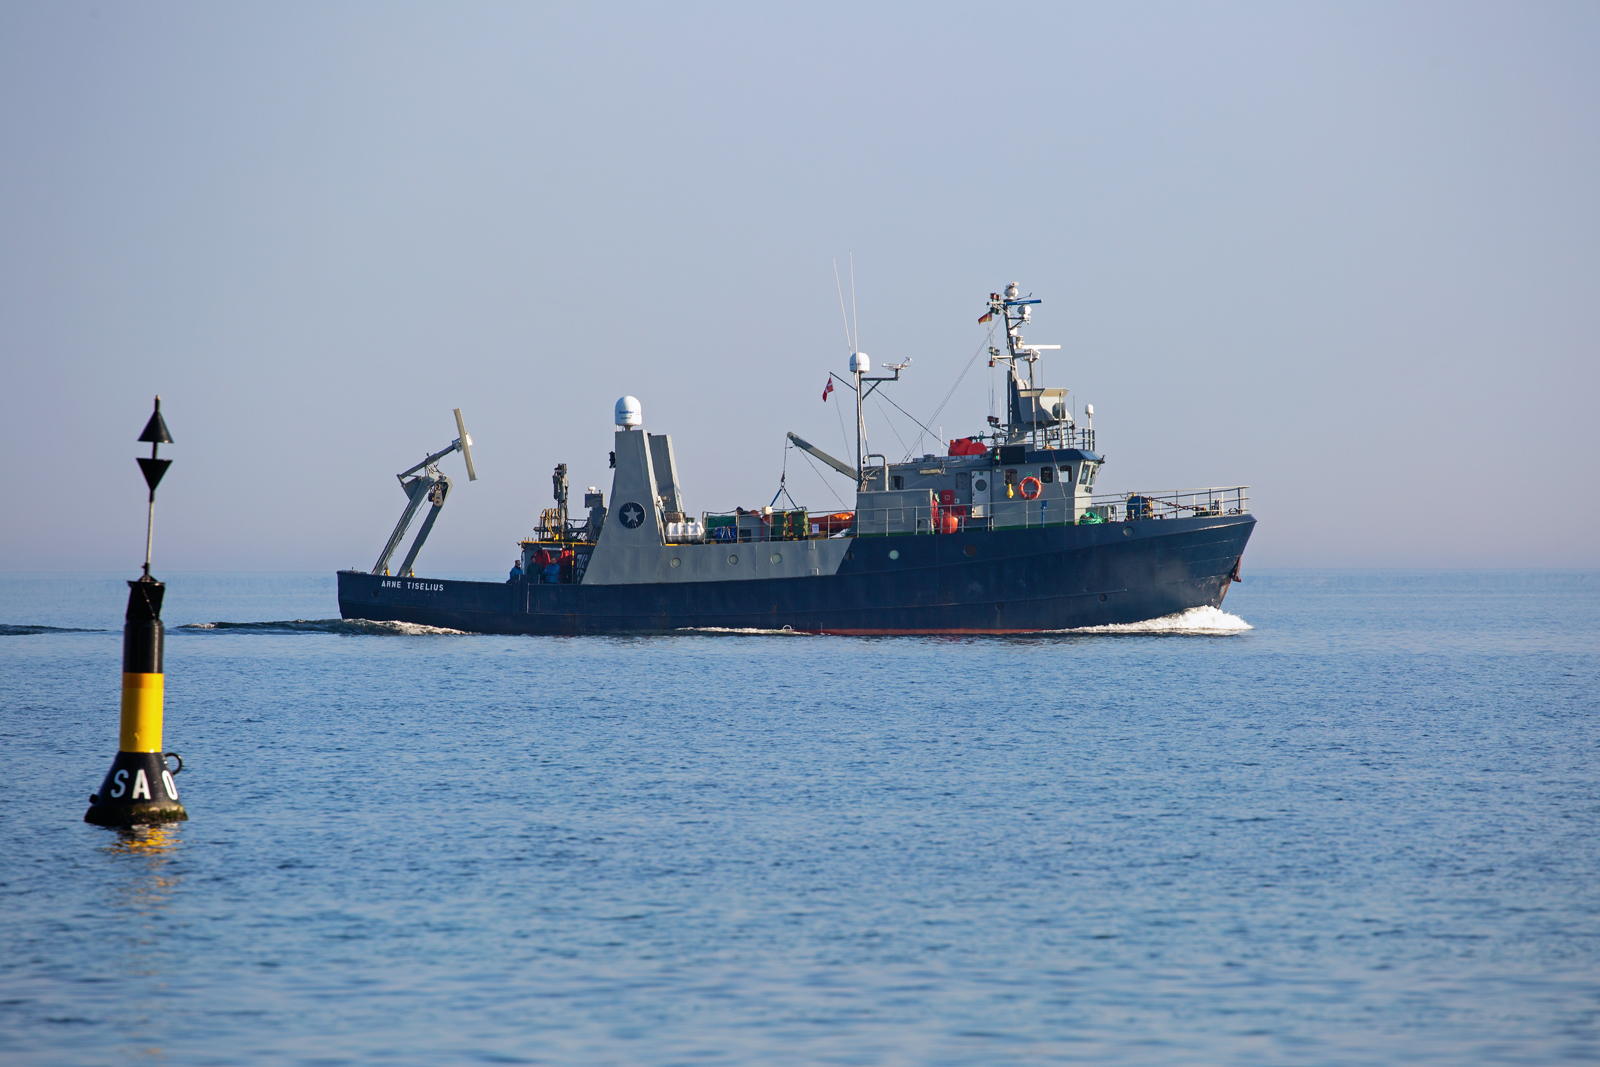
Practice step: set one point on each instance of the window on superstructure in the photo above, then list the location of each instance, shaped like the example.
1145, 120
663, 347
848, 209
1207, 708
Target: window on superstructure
899, 482
1047, 475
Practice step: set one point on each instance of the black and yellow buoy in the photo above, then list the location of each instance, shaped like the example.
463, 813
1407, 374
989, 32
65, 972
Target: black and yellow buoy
139, 788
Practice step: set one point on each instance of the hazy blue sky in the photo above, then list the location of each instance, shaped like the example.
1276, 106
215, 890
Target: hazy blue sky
1348, 254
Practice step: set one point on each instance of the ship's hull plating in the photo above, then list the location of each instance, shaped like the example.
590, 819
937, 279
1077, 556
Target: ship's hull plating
1000, 582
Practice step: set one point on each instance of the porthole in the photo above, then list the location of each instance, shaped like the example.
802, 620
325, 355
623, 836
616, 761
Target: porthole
1127, 531
732, 560
1000, 607
1102, 598
971, 550
894, 553
676, 562
777, 557
981, 486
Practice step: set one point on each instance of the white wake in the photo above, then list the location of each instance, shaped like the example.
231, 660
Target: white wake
1203, 620
414, 629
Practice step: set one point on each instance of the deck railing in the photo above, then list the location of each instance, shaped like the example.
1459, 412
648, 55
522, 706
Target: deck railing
1174, 503
1059, 437
1016, 513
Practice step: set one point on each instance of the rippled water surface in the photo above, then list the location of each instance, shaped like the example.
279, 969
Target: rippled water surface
1364, 830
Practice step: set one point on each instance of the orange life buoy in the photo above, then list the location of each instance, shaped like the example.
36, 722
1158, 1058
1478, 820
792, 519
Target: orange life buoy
1030, 494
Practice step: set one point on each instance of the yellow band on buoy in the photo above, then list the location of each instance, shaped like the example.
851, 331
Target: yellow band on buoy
143, 696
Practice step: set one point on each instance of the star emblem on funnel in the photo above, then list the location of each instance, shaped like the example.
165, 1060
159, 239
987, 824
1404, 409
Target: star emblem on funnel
632, 515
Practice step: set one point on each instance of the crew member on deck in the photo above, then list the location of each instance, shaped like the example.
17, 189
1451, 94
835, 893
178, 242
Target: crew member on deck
516, 570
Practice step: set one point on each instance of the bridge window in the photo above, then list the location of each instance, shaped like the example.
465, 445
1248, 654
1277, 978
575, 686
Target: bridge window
1047, 475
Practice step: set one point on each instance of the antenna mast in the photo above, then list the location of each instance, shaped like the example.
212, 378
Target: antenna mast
860, 367
1015, 310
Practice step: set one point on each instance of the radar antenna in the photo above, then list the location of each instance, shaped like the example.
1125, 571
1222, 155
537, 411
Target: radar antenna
430, 486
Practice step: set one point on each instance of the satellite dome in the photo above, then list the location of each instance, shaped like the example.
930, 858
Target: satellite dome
629, 413
859, 363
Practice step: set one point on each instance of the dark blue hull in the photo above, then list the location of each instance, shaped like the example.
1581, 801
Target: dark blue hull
1013, 581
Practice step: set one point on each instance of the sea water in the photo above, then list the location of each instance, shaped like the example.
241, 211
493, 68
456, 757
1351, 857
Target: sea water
1352, 818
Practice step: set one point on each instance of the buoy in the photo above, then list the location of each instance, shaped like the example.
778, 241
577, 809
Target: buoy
139, 789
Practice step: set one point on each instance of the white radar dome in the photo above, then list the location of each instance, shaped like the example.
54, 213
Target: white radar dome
859, 363
629, 413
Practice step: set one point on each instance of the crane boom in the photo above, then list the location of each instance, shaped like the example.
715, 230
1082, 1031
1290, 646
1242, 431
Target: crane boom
838, 465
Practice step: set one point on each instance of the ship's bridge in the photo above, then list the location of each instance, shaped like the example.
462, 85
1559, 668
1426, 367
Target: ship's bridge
1005, 486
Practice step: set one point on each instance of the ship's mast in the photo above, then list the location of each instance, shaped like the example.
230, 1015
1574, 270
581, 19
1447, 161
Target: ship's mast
1015, 310
860, 367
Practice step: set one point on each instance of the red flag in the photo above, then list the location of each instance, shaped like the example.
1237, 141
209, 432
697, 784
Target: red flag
826, 390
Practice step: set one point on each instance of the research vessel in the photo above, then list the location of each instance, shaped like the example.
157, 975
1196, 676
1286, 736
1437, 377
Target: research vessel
1003, 533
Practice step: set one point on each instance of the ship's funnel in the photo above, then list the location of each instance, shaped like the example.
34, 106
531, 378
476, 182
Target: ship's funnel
630, 416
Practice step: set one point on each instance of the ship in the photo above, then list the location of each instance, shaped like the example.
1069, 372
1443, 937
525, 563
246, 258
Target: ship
1003, 533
